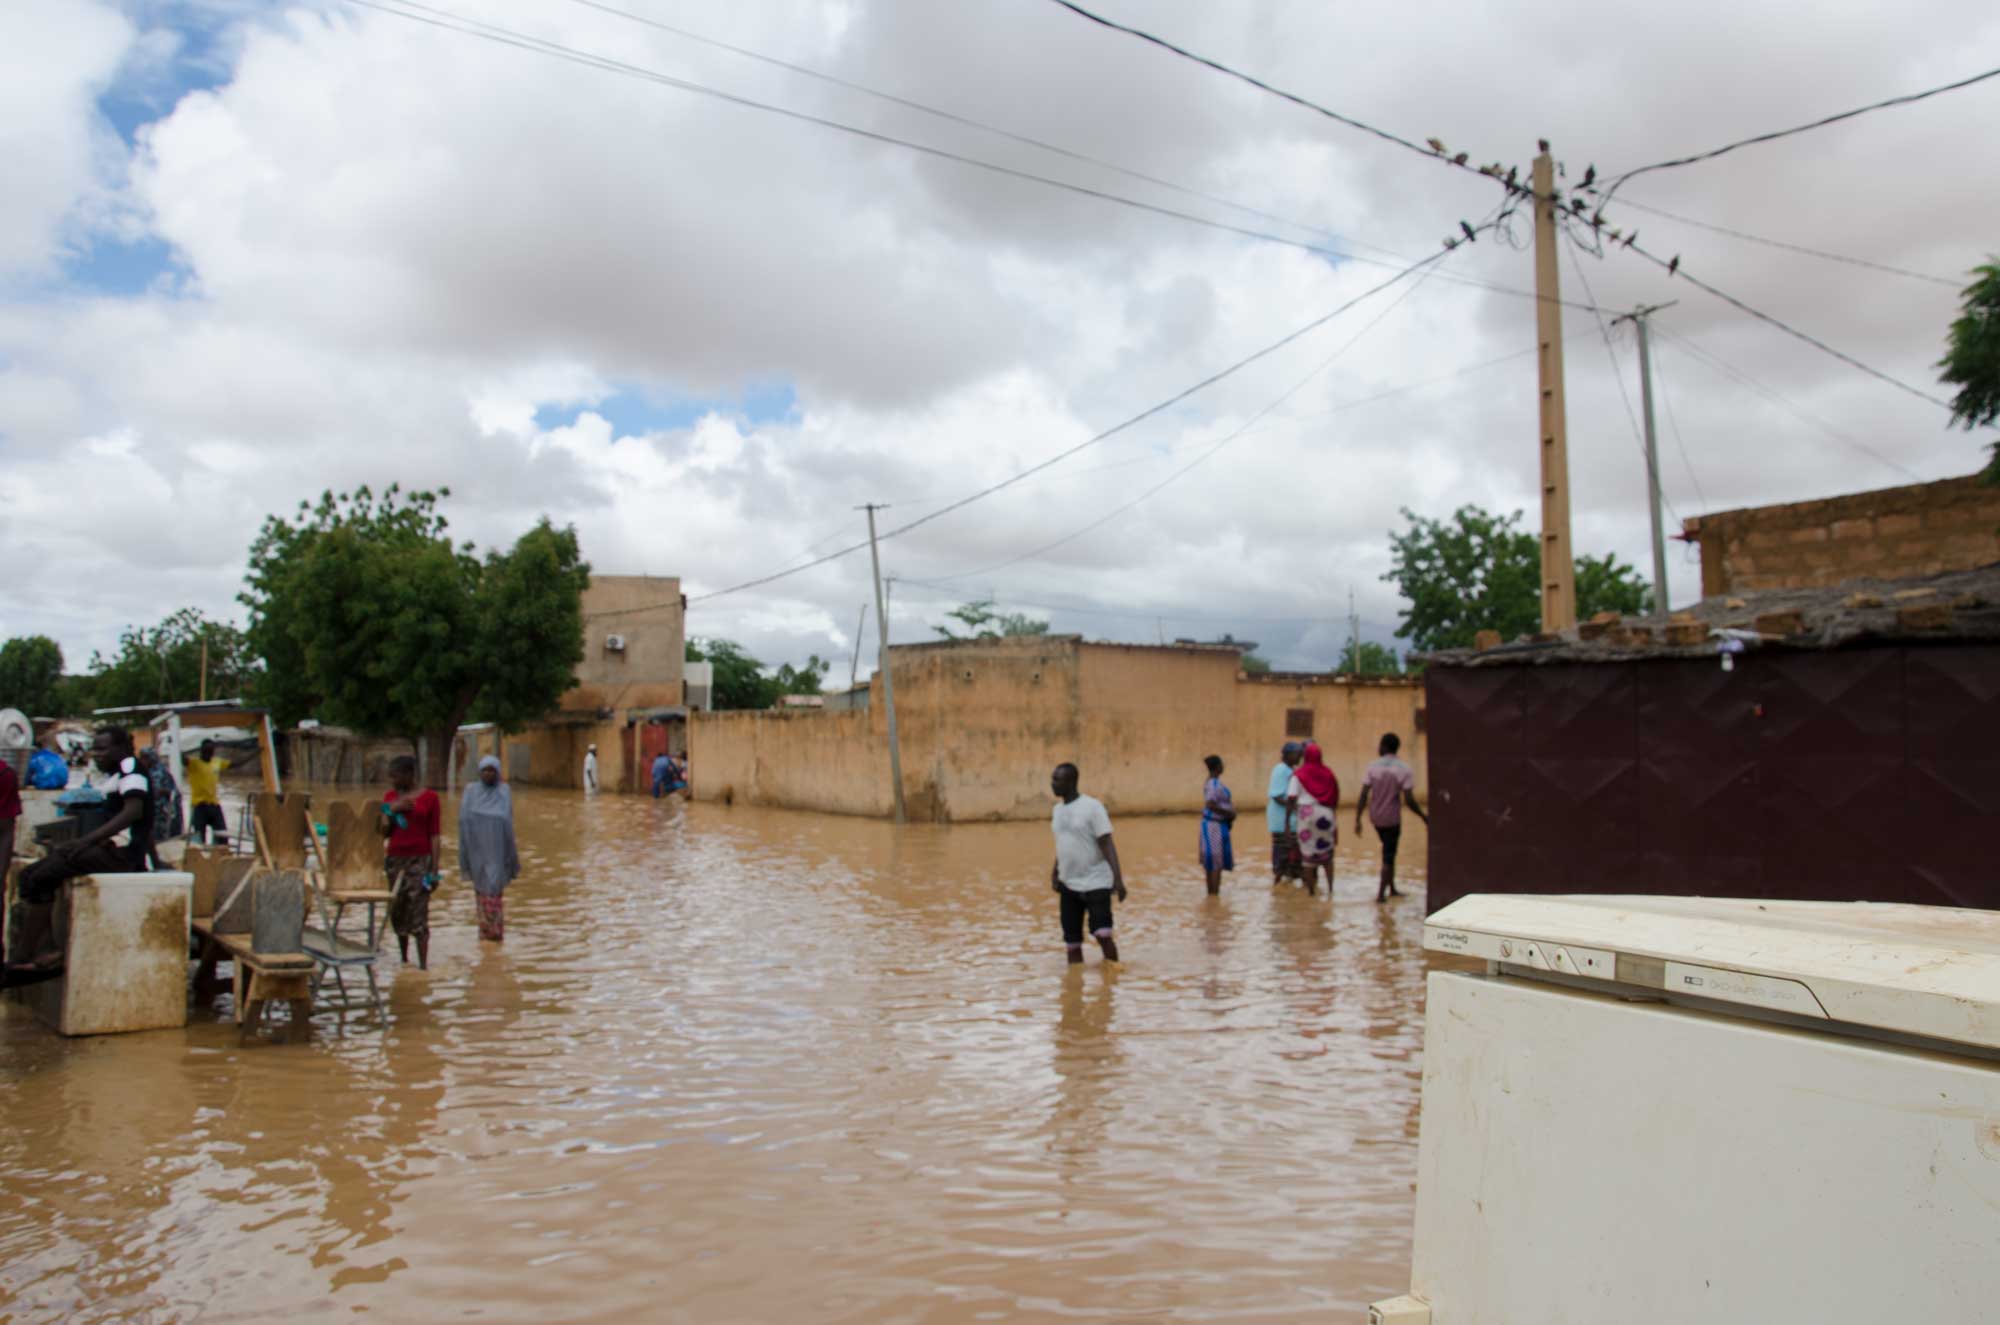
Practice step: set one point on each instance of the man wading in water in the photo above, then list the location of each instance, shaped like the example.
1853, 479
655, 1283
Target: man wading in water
1087, 874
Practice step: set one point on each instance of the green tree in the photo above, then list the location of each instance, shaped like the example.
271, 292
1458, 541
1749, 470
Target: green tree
1480, 571
1606, 584
1972, 357
31, 668
1254, 665
982, 622
286, 685
807, 680
740, 682
1369, 659
397, 632
163, 664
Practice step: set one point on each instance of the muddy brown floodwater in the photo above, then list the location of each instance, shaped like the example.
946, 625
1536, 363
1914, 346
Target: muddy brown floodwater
737, 1065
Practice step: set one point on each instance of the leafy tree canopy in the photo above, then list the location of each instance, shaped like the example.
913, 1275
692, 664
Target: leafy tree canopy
392, 629
1480, 571
162, 664
1972, 357
1254, 664
31, 668
741, 682
980, 621
1368, 659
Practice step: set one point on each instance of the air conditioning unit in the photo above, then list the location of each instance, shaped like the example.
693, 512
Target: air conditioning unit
614, 644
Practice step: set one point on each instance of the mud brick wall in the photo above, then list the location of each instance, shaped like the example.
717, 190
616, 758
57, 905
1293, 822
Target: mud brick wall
1891, 534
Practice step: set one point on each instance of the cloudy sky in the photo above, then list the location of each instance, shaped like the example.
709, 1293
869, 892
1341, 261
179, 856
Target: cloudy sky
253, 251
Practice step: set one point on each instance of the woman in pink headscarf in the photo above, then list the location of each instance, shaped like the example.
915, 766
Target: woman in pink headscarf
1318, 793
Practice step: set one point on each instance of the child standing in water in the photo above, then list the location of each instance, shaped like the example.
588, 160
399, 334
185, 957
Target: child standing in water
412, 820
1086, 875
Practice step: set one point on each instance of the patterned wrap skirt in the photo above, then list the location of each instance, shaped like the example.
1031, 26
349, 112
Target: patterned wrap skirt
1318, 832
410, 909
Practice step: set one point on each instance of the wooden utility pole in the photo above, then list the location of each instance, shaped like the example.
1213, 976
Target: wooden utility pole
1558, 557
204, 668
882, 668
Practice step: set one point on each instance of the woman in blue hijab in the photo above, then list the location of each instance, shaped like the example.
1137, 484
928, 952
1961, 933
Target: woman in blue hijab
486, 851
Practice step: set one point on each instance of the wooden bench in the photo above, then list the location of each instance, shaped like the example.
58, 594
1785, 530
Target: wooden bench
261, 979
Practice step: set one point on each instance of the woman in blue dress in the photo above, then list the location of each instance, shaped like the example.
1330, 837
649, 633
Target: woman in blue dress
1218, 812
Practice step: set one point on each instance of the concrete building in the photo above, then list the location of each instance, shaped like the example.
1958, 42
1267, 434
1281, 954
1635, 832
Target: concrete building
630, 697
983, 722
1893, 533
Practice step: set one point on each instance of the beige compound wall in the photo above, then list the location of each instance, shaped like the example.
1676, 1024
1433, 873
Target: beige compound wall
982, 726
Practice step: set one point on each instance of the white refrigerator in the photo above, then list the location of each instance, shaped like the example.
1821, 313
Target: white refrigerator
1657, 1111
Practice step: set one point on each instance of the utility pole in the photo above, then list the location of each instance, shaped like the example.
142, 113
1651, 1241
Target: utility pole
1638, 318
1354, 631
1558, 559
204, 668
854, 671
883, 669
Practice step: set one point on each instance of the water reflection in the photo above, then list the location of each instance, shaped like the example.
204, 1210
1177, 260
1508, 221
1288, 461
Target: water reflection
737, 1065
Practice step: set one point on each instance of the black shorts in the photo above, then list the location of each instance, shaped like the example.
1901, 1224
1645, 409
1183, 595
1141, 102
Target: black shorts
1096, 902
1391, 838
38, 883
207, 816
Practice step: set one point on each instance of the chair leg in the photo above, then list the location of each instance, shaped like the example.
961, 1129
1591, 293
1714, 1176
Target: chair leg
301, 1027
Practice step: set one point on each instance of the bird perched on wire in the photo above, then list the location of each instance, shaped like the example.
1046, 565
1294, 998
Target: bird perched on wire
1674, 265
1435, 146
1470, 236
1589, 174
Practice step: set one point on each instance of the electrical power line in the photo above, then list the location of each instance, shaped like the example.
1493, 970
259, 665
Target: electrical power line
1674, 267
1617, 373
417, 12
1723, 366
1790, 247
967, 121
1433, 152
1776, 134
1679, 442
1225, 440
1114, 430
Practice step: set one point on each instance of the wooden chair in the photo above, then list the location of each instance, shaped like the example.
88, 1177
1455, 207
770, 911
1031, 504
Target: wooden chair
349, 879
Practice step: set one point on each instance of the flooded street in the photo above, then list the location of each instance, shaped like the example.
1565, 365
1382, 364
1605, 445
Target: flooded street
737, 1065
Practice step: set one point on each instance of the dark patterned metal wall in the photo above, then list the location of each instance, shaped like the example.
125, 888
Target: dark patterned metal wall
1853, 774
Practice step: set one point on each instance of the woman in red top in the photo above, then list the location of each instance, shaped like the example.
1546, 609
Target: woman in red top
412, 821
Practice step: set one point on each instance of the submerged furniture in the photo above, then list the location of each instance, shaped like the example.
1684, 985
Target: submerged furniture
256, 928
124, 943
1652, 1110
351, 905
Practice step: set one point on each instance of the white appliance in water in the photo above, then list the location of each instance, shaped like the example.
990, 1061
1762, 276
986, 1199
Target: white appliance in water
1661, 1111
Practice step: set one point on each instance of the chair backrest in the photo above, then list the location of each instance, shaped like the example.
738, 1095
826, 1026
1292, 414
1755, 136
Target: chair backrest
233, 894
353, 847
282, 827
278, 911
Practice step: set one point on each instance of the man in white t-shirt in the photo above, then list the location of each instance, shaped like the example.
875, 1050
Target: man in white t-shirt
590, 771
1087, 874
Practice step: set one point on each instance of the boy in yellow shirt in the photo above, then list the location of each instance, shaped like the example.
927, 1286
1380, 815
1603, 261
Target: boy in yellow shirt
203, 774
